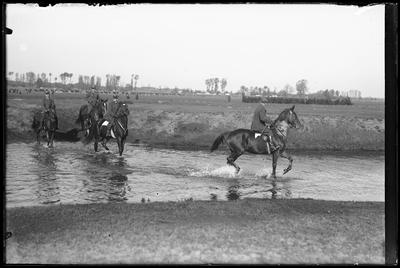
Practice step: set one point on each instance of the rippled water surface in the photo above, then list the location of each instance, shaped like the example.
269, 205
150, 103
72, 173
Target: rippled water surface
73, 173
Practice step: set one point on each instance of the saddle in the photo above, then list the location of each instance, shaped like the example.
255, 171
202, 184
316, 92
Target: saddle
105, 124
258, 134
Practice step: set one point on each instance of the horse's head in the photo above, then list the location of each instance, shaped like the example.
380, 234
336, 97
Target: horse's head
290, 117
96, 113
102, 107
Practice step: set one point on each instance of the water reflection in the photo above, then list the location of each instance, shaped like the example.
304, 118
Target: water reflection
106, 178
279, 189
273, 190
233, 190
72, 173
48, 190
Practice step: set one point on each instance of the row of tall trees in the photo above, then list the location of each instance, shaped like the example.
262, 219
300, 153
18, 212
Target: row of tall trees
65, 78
301, 88
134, 77
31, 78
213, 85
85, 81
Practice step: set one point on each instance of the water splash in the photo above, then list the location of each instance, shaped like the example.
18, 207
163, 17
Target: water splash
224, 172
265, 173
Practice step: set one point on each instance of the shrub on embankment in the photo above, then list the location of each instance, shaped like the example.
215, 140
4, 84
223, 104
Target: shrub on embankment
199, 129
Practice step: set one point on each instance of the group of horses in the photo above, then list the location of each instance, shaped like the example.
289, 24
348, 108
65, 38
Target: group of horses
93, 124
238, 141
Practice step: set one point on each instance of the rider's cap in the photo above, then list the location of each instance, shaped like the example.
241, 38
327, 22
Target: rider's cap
47, 91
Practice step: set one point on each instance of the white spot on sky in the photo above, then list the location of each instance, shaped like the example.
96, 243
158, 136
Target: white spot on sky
23, 47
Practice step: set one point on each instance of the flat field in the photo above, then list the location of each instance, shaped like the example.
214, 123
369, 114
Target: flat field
195, 121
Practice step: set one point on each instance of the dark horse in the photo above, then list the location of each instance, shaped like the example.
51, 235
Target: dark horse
84, 113
97, 128
44, 121
240, 141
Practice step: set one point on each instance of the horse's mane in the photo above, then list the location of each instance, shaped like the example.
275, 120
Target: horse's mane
280, 116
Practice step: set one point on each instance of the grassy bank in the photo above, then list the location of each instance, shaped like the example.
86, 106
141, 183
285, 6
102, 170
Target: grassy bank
242, 231
196, 121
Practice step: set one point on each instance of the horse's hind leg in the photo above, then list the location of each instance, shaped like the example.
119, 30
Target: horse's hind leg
231, 160
287, 156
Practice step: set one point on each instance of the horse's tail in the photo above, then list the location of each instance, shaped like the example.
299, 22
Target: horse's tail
220, 139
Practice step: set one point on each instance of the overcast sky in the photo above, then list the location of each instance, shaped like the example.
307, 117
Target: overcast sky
333, 47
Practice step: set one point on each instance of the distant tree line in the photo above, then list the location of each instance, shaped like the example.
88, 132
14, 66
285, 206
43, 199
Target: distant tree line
285, 95
286, 91
337, 101
64, 81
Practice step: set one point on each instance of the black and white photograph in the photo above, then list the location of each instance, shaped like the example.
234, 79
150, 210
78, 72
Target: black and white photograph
150, 133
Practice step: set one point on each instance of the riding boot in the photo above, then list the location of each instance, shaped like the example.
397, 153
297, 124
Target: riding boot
108, 130
56, 119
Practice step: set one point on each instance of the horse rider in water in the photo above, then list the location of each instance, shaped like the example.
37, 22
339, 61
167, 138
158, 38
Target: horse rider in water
262, 123
49, 107
92, 97
112, 113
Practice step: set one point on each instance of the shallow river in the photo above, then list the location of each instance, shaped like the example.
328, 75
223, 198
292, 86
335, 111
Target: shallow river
72, 173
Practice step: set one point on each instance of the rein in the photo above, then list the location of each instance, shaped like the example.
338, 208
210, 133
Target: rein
280, 132
119, 123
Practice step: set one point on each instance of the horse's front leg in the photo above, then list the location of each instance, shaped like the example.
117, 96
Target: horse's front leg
104, 141
52, 134
38, 136
48, 138
275, 156
120, 146
123, 139
104, 144
284, 154
96, 145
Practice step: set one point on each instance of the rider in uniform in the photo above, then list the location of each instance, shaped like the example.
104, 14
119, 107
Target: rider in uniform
262, 123
112, 113
49, 106
92, 97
